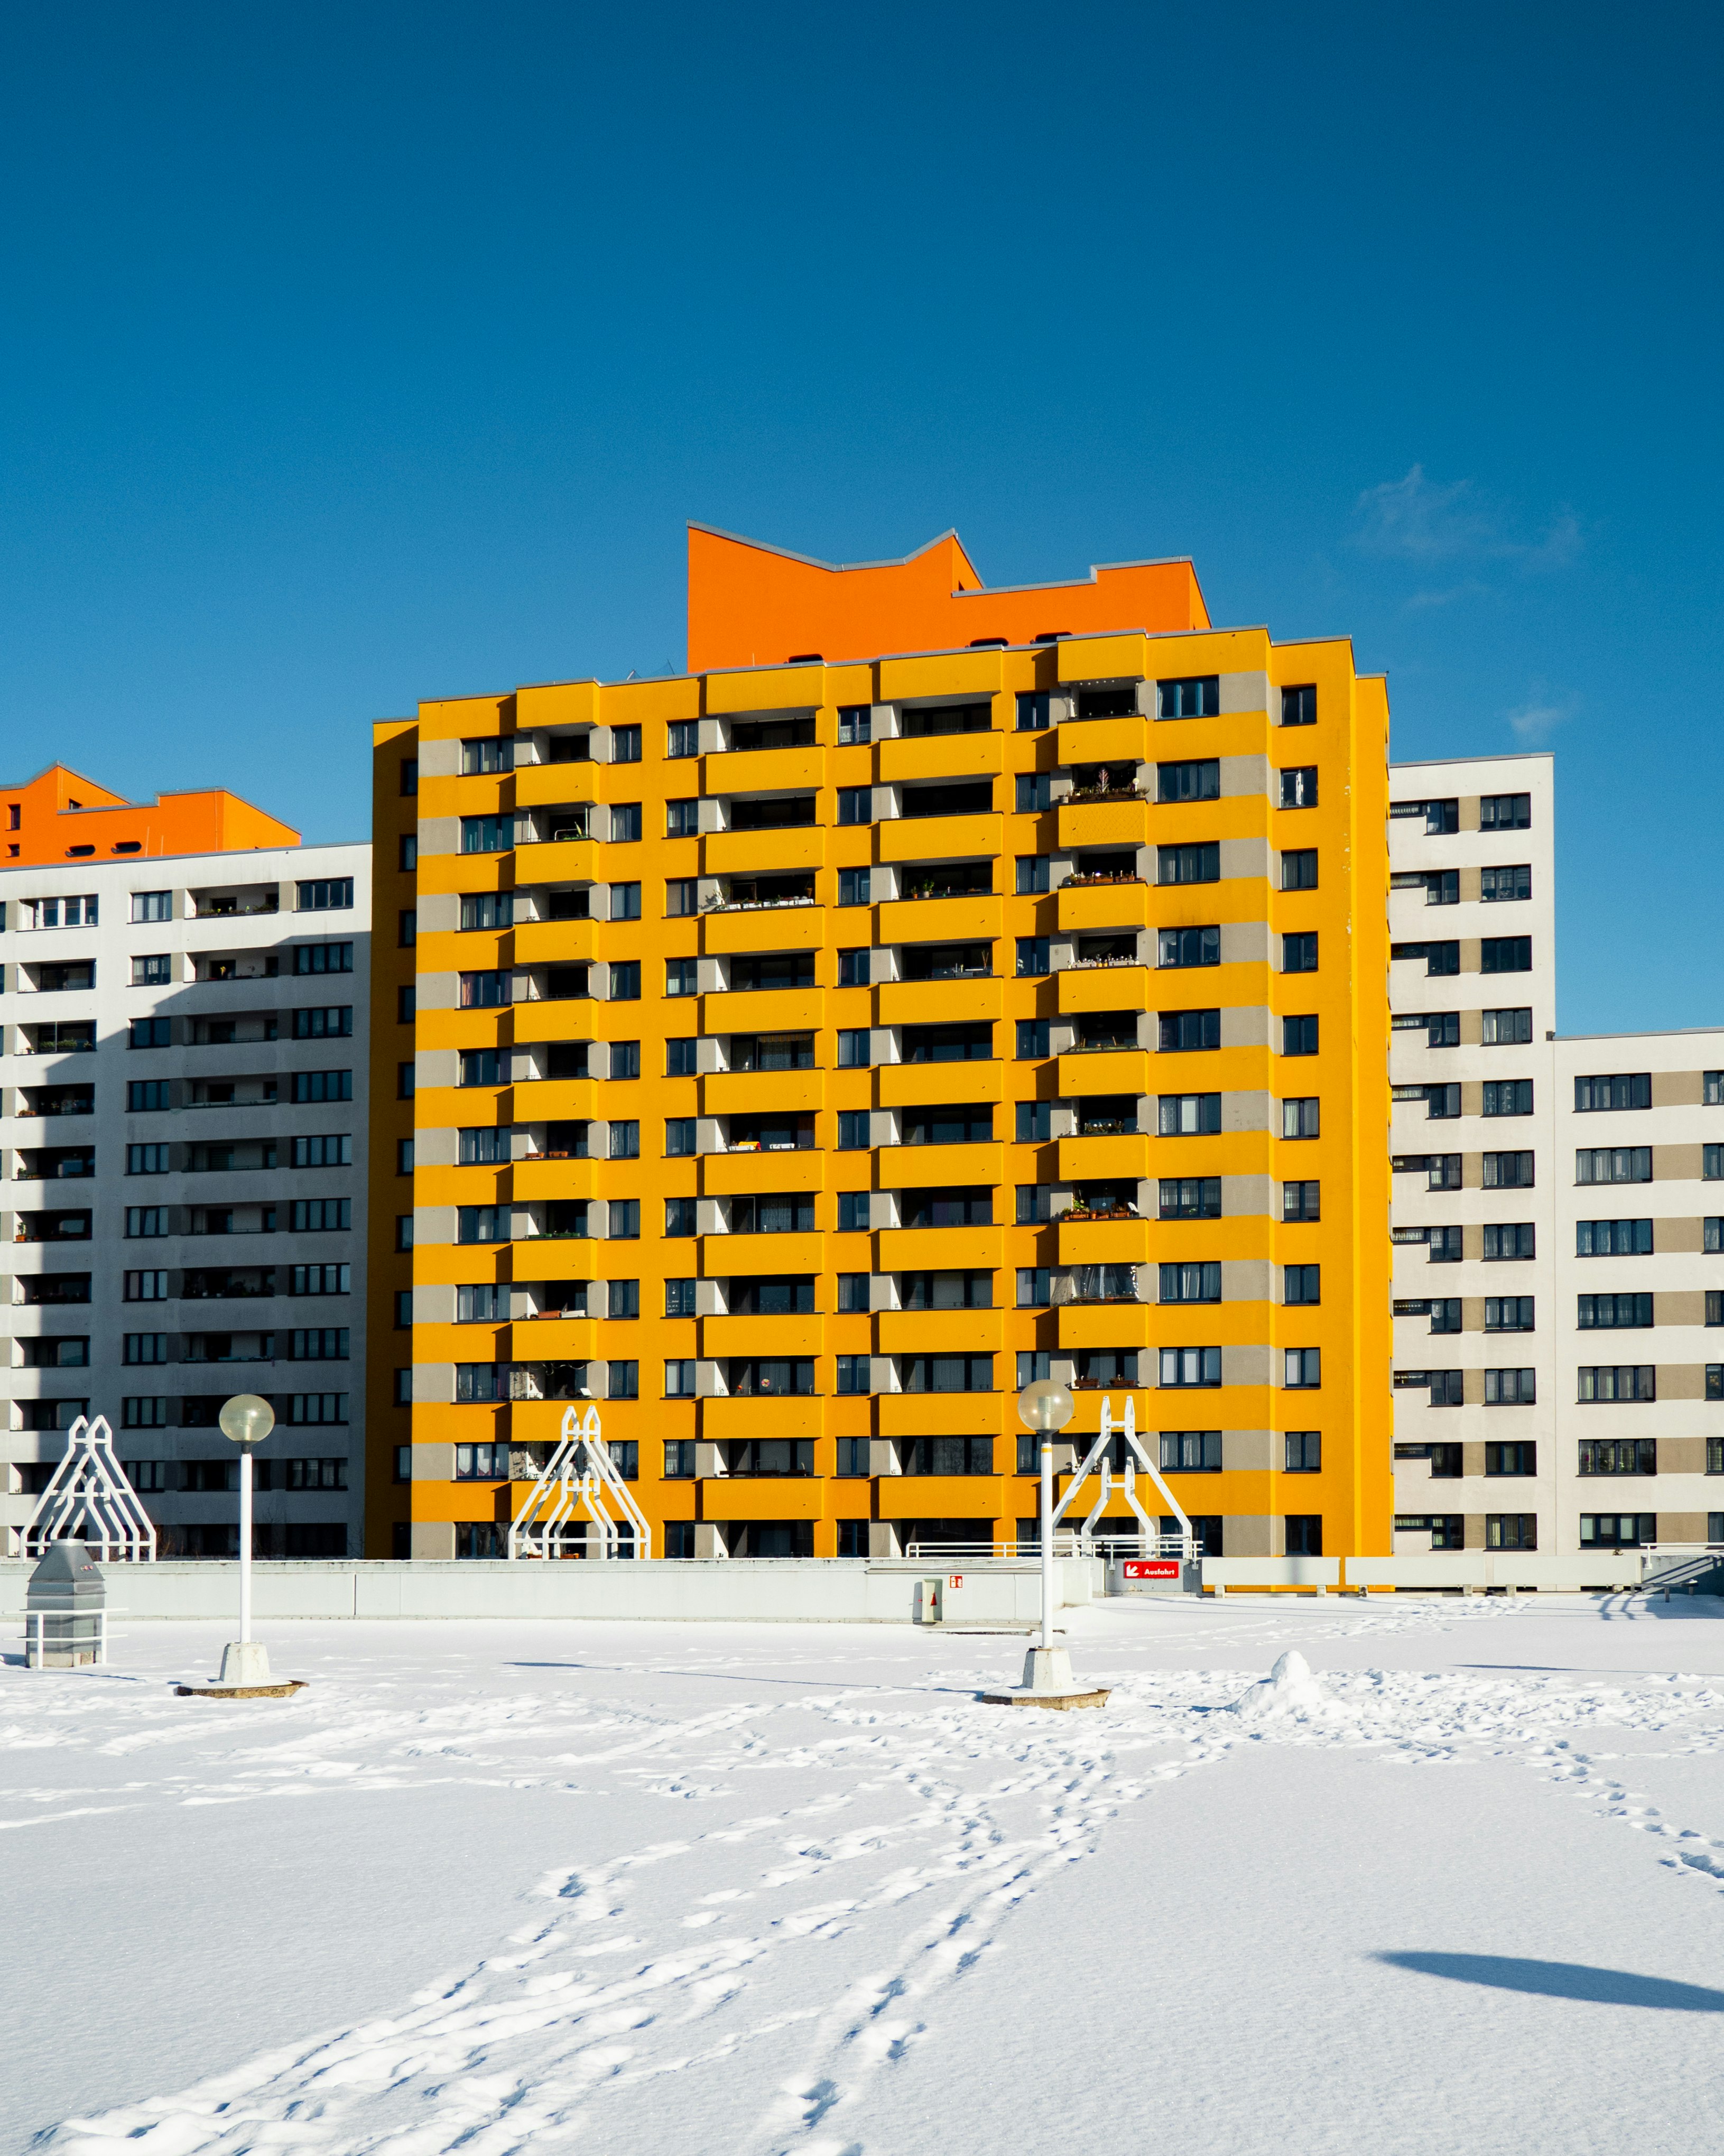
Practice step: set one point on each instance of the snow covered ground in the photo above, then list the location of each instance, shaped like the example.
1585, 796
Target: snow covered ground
766, 1889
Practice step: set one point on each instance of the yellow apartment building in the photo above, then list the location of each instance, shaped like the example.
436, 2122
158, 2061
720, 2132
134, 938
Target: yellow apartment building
800, 1055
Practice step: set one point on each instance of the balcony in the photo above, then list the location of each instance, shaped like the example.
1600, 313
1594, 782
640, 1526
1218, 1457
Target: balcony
723, 1174
730, 1419
550, 1339
1120, 743
924, 1084
551, 861
942, 756
1107, 820
761, 853
941, 1249
941, 1332
939, 1002
767, 1337
764, 771
1104, 1159
552, 785
762, 1010
722, 1255
1103, 988
1085, 907
1103, 1242
957, 917
945, 1414
940, 838
546, 943
255, 900
800, 925
726, 1497
539, 1178
904, 1498
912, 1167
762, 1092
1104, 1070
1105, 1325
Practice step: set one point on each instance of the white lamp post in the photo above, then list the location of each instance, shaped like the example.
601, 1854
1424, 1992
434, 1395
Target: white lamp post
247, 1420
1046, 1406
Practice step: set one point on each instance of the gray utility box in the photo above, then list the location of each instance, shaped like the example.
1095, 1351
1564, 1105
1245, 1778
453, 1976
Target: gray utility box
1137, 1575
65, 1610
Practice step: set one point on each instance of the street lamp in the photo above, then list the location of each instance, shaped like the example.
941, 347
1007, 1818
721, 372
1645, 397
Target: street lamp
247, 1420
1046, 1406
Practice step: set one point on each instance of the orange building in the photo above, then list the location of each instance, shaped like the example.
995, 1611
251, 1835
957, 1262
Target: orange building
934, 988
58, 816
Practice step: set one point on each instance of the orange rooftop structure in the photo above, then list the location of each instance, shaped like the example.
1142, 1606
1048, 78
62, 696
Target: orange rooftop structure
753, 605
58, 816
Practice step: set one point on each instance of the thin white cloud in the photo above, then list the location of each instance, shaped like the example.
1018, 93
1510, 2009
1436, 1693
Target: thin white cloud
1538, 719
1419, 520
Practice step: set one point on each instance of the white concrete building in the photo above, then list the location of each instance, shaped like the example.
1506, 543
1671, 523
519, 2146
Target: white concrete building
182, 1138
1559, 1259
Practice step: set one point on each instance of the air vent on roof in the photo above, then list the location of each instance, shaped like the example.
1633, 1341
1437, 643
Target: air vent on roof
805, 658
72, 851
128, 845
1052, 635
990, 642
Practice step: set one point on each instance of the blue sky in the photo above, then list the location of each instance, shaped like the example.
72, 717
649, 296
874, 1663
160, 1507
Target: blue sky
359, 355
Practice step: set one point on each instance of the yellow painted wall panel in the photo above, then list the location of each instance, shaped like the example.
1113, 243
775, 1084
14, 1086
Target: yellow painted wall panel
1120, 742
1122, 1070
1108, 823
1095, 909
941, 1249
918, 1166
565, 861
1114, 1243
1109, 987
1105, 1325
940, 838
764, 928
556, 1100
552, 943
941, 1332
761, 1336
762, 1092
764, 771
552, 1340
1105, 658
908, 1084
763, 1010
763, 1497
962, 920
767, 689
571, 1018
531, 1180
941, 1415
762, 853
552, 1258
942, 1498
724, 1254
942, 755
976, 673
940, 1003
553, 785
724, 1173
724, 1420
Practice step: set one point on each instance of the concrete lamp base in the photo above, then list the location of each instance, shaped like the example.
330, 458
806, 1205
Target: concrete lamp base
1048, 1682
245, 1662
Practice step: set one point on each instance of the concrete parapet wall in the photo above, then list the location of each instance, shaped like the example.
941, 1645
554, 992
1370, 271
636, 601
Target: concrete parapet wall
766, 1590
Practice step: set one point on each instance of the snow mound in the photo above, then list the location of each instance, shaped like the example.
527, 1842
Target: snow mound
1290, 1692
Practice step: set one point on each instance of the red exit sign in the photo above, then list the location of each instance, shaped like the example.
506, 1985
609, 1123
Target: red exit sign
1152, 1567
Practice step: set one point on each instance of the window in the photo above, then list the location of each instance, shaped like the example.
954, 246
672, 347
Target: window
1034, 1122
1190, 1366
680, 1216
1505, 954
625, 980
852, 969
1033, 712
625, 823
403, 1231
853, 886
1506, 812
144, 1032
682, 738
623, 1298
1194, 1281
1301, 1368
315, 1086
1301, 1201
1189, 1032
1440, 958
1628, 1090
1199, 781
1596, 1313
326, 1150
1507, 1096
152, 906
962, 1206
1441, 818
1628, 1455
1032, 874
1032, 956
625, 744
1191, 1451
853, 1130
855, 805
1504, 1029
1190, 1198
678, 1137
1299, 954
1301, 1284
1197, 698
1508, 1531
1299, 788
477, 1381
479, 1066
1299, 1036
1034, 792
682, 896
681, 977
1189, 1115
1190, 864
1613, 1164
325, 894
482, 1224
486, 991
852, 1212
625, 1139
1615, 1238
153, 971
323, 957
1034, 1287
1303, 1534
1509, 1240
1188, 947
625, 901
1623, 1382
1444, 1311
1510, 1389
1299, 868
489, 754
1303, 1452
1508, 1170
1518, 1459
1497, 885
318, 1343
625, 1059
623, 1382
1302, 1119
146, 1160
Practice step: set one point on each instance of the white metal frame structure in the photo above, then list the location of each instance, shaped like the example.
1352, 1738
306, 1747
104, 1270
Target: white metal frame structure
88, 1498
580, 1473
1155, 1543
